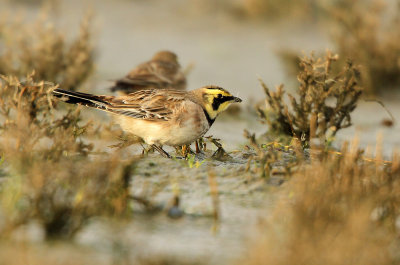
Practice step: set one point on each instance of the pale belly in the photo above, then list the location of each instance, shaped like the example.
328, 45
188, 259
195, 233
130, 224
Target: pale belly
164, 132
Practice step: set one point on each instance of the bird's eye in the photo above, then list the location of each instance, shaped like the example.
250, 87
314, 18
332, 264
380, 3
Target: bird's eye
219, 96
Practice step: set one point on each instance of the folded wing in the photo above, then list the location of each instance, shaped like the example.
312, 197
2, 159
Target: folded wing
144, 104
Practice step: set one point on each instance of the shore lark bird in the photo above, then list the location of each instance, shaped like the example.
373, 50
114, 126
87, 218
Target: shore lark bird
161, 72
160, 117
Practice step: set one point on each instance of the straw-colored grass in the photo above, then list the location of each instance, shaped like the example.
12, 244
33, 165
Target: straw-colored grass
368, 32
47, 173
39, 46
323, 102
277, 9
340, 209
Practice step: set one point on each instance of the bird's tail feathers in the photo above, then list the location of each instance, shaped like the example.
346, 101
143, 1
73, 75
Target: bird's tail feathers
85, 99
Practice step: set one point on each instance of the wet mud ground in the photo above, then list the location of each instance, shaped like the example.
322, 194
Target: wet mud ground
195, 235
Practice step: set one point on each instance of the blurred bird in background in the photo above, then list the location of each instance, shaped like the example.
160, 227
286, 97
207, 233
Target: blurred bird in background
163, 71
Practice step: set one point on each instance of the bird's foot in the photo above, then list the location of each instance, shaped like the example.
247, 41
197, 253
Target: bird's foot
147, 150
201, 146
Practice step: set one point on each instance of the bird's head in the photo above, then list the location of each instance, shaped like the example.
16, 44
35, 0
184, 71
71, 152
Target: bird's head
165, 56
216, 99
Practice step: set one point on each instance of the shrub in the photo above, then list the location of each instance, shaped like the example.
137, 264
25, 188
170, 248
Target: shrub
340, 209
277, 9
323, 102
369, 35
42, 48
48, 173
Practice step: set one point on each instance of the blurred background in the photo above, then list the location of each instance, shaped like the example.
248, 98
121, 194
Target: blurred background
219, 39
226, 43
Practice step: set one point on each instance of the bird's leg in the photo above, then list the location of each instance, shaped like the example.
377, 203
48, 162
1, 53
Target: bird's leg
144, 151
179, 149
161, 151
197, 147
185, 150
200, 145
147, 150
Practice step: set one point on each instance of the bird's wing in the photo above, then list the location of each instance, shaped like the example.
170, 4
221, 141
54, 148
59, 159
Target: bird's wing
144, 104
148, 104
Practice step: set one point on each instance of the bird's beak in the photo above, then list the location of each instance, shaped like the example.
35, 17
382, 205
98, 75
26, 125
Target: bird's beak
236, 99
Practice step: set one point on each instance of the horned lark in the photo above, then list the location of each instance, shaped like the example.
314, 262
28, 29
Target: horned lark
160, 117
161, 72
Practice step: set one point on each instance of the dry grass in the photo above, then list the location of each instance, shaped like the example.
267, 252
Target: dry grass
276, 9
340, 209
39, 46
273, 158
323, 102
337, 208
48, 173
263, 10
55, 254
369, 33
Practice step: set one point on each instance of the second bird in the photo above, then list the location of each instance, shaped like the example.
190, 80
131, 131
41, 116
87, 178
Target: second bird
163, 71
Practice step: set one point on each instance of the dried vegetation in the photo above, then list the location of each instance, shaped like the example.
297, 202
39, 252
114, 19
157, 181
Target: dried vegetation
322, 105
276, 9
339, 206
41, 47
343, 208
369, 33
47, 173
274, 158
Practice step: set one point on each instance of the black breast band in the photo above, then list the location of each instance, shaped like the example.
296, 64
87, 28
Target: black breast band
210, 121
